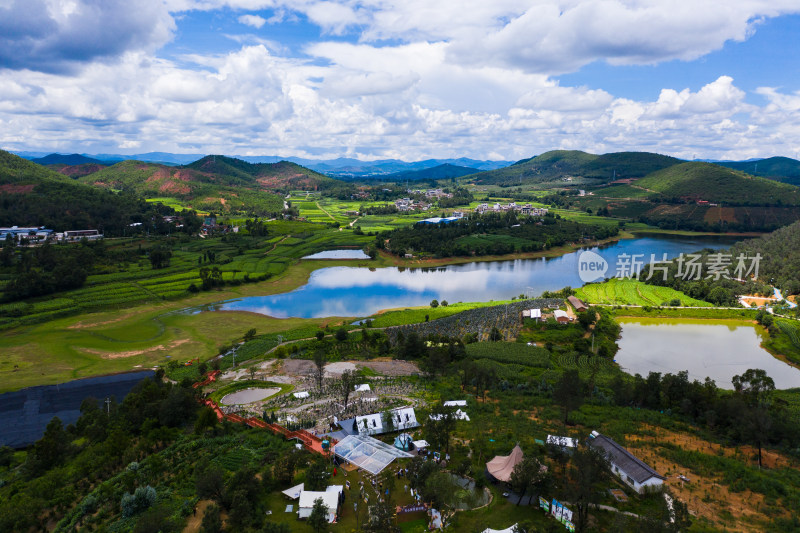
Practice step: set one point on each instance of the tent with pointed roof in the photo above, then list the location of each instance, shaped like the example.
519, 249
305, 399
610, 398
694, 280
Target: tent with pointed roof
501, 466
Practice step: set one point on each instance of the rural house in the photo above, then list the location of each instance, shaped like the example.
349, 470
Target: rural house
577, 304
636, 474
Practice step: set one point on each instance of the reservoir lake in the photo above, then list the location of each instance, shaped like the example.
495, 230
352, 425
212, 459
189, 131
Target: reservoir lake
362, 291
718, 349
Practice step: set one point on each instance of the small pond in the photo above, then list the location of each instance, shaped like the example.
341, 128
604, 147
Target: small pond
718, 349
338, 254
469, 496
248, 396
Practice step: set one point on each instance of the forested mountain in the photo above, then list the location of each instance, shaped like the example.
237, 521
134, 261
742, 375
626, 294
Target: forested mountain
439, 172
713, 183
783, 169
780, 257
559, 164
32, 195
66, 159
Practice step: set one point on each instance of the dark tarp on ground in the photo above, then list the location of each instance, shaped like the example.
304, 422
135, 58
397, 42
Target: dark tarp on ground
24, 414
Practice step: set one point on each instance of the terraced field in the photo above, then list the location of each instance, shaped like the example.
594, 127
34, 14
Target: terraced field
140, 283
632, 292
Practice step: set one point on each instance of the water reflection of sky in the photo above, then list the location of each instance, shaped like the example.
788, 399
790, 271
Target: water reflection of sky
350, 291
338, 254
718, 351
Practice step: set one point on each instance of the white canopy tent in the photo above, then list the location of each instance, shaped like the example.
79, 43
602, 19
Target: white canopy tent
562, 442
455, 403
403, 418
509, 529
364, 387
300, 395
368, 453
458, 414
330, 498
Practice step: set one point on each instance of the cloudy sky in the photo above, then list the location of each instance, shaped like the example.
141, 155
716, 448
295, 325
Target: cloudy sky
407, 79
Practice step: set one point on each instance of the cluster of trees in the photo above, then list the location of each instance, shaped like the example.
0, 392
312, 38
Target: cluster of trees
256, 227
749, 414
451, 239
722, 292
49, 268
66, 461
461, 196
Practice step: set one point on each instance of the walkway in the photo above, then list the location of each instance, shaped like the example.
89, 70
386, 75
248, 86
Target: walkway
309, 441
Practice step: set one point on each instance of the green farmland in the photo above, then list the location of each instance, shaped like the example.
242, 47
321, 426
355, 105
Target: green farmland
633, 292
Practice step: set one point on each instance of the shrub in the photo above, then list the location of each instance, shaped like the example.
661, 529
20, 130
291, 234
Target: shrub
141, 499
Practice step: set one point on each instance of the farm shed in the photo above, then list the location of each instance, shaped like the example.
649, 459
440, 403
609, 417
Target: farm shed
577, 304
624, 464
561, 316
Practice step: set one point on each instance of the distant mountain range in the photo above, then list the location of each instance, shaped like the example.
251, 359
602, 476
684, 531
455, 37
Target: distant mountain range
340, 167
440, 172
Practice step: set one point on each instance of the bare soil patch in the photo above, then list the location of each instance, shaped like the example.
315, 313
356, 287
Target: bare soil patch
133, 353
390, 367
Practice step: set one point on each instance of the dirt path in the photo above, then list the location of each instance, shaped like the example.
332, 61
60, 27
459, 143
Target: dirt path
323, 210
276, 244
196, 520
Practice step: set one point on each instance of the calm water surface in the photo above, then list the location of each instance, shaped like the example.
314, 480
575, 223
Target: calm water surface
339, 254
719, 349
352, 291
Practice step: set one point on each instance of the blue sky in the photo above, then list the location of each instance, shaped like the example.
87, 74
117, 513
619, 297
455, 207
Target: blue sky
409, 79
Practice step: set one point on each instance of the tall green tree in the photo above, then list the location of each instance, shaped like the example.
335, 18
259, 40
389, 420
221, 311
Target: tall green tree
568, 392
318, 520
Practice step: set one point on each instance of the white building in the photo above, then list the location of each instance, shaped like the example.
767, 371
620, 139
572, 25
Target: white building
635, 473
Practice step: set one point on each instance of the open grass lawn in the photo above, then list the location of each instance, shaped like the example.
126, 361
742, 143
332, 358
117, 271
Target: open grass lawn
139, 337
632, 292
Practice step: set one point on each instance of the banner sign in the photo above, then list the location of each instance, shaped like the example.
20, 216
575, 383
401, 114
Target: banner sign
544, 504
559, 512
410, 509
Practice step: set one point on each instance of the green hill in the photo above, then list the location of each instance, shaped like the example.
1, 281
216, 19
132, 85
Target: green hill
32, 195
283, 176
213, 183
783, 169
716, 184
558, 165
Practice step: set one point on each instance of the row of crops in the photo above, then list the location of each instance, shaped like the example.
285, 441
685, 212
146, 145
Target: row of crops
632, 292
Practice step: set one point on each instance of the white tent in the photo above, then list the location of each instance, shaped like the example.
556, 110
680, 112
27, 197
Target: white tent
403, 418
509, 529
330, 498
455, 403
562, 442
458, 414
421, 444
364, 387
302, 394
294, 492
